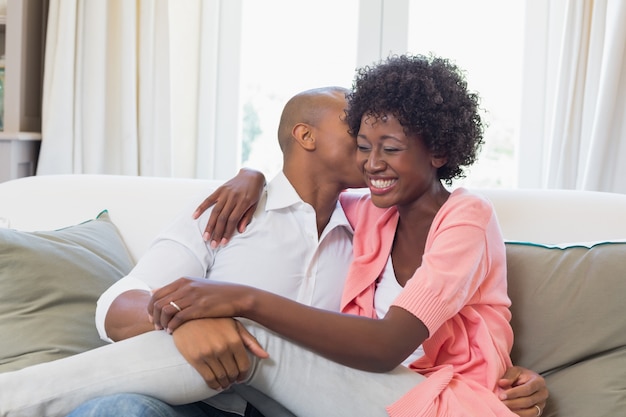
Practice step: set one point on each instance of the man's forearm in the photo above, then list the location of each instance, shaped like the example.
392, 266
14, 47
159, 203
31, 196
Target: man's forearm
127, 316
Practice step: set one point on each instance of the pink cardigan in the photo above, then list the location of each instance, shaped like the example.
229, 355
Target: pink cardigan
459, 292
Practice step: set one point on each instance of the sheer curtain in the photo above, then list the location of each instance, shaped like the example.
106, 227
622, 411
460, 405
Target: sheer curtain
130, 87
584, 102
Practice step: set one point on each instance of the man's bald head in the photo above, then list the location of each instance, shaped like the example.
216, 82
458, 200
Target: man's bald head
307, 107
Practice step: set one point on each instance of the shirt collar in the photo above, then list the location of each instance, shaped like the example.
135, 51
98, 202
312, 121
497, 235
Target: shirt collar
338, 219
281, 194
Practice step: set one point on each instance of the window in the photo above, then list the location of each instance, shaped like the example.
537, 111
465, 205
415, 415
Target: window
287, 47
484, 37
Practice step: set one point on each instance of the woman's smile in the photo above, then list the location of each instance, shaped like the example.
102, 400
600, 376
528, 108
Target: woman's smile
380, 186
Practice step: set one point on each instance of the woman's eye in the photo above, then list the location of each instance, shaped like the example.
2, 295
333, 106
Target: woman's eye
391, 150
362, 148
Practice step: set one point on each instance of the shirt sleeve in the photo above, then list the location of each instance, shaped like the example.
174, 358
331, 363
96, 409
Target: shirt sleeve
178, 251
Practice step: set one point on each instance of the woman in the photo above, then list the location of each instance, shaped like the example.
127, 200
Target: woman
428, 280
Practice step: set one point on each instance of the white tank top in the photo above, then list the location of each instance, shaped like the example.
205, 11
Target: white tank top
387, 289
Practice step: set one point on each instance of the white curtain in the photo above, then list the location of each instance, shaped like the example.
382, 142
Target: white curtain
130, 87
587, 125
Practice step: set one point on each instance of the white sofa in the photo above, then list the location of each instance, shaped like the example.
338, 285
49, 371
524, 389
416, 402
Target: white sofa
566, 302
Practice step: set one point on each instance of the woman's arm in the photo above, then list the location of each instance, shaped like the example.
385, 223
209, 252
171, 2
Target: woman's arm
359, 342
235, 202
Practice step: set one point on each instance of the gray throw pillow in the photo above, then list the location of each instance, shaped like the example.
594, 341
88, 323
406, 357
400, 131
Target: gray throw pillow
49, 284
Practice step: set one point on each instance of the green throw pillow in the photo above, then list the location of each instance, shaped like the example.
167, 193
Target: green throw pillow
49, 284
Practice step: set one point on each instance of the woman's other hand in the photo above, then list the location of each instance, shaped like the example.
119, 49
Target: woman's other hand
234, 204
525, 392
195, 298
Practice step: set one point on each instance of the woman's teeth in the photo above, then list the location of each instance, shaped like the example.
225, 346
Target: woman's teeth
381, 183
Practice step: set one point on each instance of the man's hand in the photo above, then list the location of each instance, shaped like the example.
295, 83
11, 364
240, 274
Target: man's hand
216, 348
525, 391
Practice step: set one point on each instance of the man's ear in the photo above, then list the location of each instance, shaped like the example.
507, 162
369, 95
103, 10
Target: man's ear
303, 135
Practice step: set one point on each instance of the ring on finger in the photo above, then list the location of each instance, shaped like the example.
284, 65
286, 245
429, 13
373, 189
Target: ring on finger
173, 304
539, 411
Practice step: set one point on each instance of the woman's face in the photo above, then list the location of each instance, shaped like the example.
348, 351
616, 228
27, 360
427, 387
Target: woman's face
398, 169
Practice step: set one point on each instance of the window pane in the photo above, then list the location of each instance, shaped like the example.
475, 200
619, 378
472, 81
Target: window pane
289, 46
484, 37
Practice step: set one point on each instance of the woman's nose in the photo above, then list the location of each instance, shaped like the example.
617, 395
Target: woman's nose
374, 161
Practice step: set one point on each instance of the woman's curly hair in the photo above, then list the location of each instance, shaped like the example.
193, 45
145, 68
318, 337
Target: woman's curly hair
429, 97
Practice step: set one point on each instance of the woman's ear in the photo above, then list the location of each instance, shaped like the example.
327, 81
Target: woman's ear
303, 135
439, 161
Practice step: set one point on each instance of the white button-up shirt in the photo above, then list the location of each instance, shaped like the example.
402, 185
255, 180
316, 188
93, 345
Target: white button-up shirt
278, 252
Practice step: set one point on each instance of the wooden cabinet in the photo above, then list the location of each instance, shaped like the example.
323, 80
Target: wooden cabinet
22, 46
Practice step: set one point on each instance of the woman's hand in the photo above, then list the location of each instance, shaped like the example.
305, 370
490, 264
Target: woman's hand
525, 391
195, 298
235, 202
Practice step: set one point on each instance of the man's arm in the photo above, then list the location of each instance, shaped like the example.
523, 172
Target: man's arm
216, 348
178, 250
127, 315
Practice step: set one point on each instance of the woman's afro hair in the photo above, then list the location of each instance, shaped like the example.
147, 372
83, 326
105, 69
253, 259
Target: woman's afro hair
429, 97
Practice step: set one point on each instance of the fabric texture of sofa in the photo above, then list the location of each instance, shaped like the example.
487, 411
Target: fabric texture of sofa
65, 238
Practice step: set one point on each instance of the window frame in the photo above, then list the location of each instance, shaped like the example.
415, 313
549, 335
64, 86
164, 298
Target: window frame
383, 29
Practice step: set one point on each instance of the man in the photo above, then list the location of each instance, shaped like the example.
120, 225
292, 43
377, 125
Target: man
307, 260
297, 245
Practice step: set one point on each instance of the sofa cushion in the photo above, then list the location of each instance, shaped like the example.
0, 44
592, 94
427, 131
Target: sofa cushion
49, 284
594, 387
572, 294
568, 321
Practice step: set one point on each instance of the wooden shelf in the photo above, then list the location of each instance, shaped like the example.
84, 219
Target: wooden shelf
22, 43
25, 24
20, 135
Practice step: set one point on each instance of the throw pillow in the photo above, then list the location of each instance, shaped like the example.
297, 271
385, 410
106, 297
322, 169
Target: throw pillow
49, 284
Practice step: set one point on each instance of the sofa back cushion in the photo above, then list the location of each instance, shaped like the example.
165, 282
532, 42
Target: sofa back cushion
569, 322
140, 207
